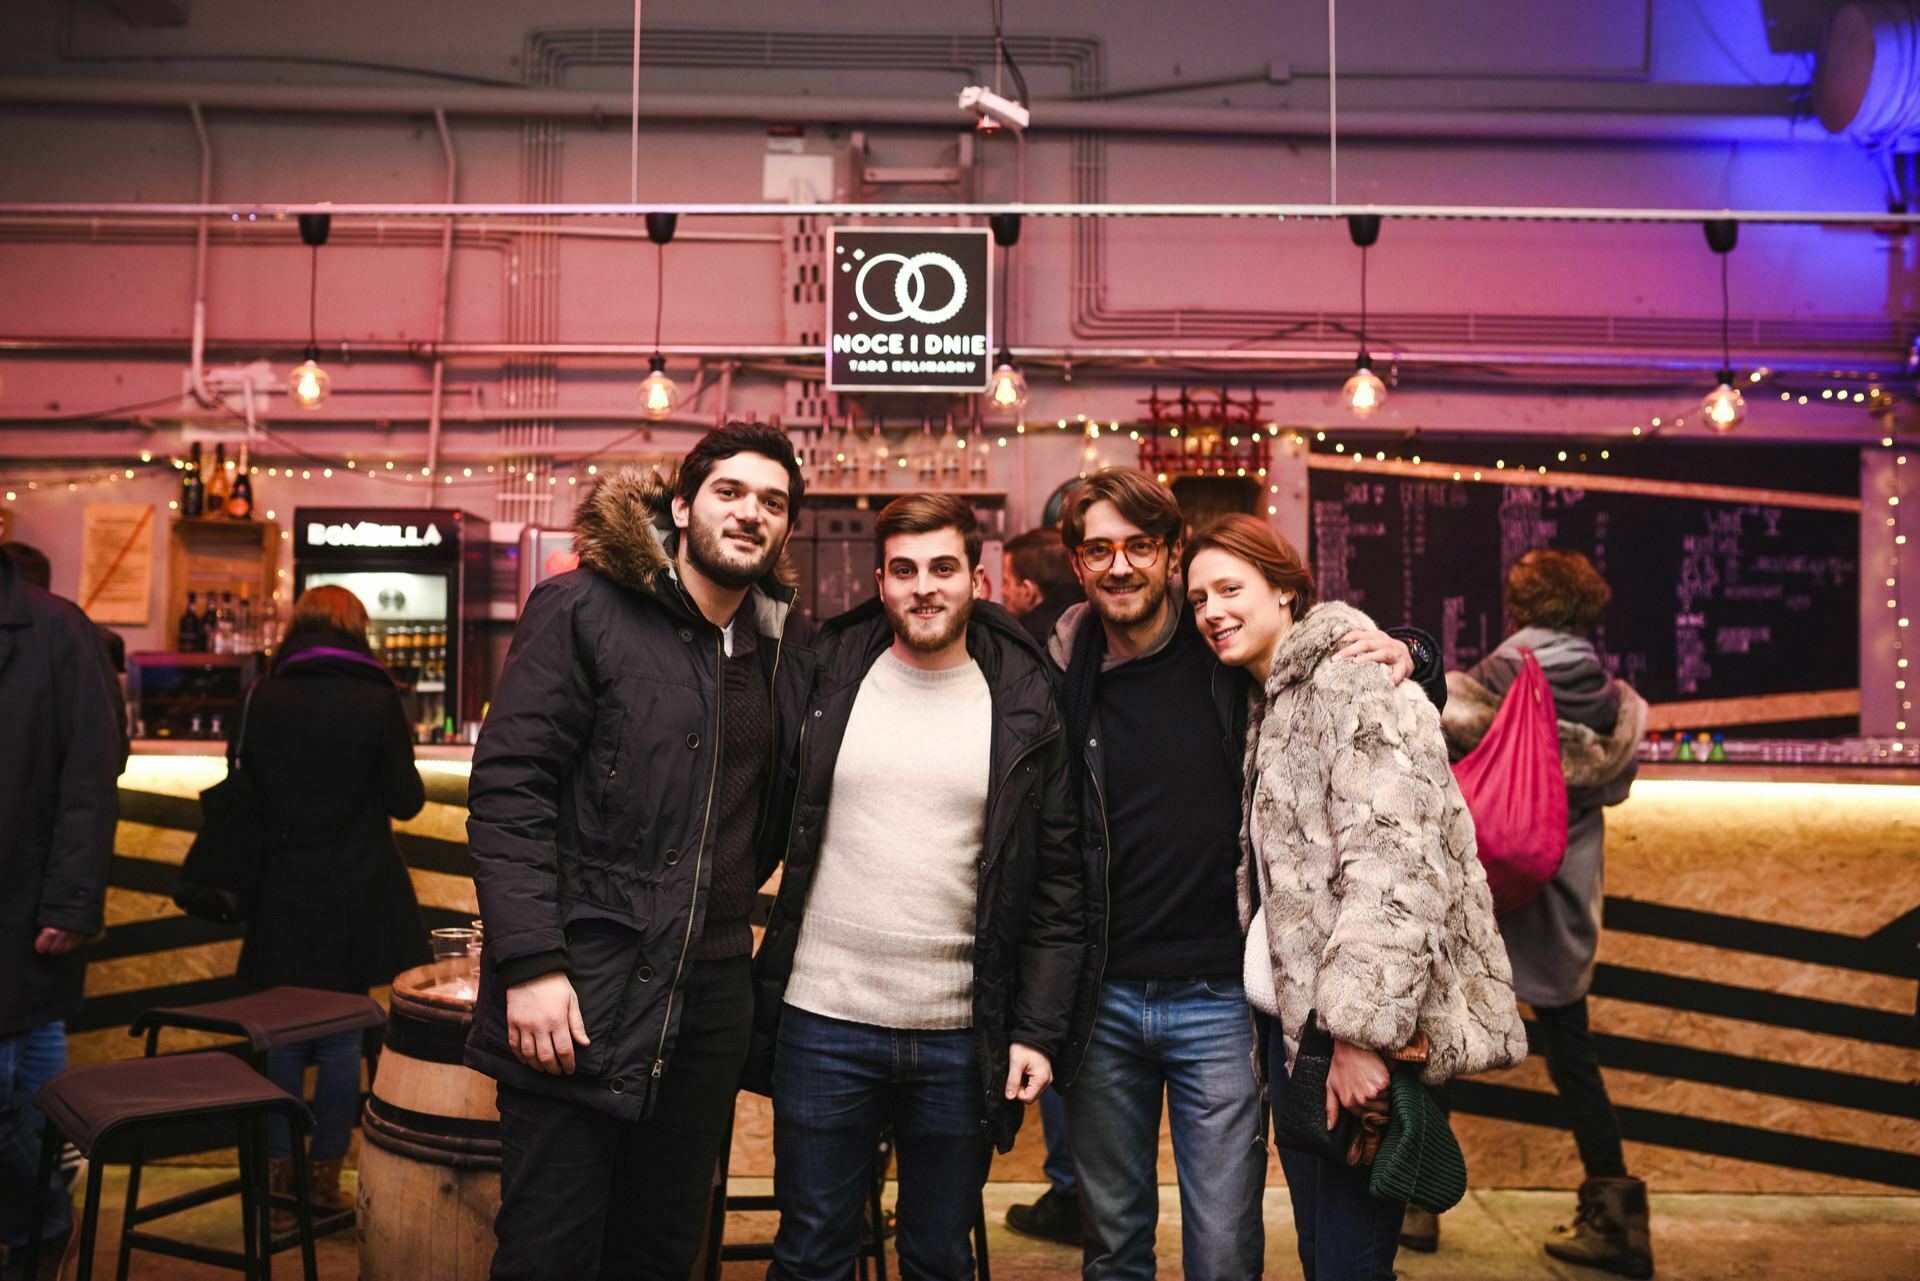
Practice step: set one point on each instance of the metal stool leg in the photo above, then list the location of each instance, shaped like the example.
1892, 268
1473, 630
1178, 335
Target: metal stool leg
49, 1147
251, 1209
90, 1221
128, 1218
303, 1208
257, 1130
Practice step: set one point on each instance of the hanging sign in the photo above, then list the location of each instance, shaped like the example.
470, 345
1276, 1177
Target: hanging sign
908, 310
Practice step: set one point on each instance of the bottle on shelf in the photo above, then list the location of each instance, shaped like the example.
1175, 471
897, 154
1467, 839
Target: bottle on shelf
224, 640
1682, 748
246, 640
219, 483
1718, 752
240, 501
192, 640
949, 454
193, 490
209, 623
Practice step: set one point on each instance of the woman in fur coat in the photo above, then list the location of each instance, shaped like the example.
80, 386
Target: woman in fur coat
1366, 904
1555, 598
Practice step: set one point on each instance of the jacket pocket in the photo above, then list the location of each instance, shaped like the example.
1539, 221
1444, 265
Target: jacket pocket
607, 759
602, 955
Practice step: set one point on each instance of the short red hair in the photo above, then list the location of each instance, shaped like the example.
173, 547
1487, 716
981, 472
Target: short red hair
1251, 539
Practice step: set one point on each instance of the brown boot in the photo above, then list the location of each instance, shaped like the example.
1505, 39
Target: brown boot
280, 1184
328, 1198
1420, 1230
1610, 1230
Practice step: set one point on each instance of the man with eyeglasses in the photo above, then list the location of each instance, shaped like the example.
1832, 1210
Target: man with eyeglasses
1159, 729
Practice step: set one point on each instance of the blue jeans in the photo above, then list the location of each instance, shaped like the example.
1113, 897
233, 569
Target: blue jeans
836, 1085
28, 1060
1346, 1233
336, 1092
1058, 1166
1194, 1041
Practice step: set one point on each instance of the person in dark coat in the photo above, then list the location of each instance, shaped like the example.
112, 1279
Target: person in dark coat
326, 740
60, 761
1037, 586
1556, 598
921, 960
618, 825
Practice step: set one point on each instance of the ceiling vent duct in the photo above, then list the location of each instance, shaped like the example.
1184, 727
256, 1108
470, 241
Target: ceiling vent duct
1866, 83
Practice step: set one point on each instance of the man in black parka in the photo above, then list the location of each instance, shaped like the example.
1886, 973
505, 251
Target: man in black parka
60, 762
618, 807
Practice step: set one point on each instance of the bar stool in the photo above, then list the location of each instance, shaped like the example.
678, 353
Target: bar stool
266, 1019
97, 1106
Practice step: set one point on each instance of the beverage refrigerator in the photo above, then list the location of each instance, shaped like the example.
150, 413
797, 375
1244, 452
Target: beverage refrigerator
423, 576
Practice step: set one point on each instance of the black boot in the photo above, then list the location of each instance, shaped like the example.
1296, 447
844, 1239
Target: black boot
1420, 1230
1610, 1230
1054, 1217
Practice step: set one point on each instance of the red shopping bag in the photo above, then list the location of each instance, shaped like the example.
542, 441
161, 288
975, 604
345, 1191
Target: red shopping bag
1516, 792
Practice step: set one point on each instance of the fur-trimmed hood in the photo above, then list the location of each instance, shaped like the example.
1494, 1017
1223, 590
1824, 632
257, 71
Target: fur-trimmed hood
623, 530
1587, 757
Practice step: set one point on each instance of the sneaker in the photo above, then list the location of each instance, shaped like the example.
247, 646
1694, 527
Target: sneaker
1054, 1217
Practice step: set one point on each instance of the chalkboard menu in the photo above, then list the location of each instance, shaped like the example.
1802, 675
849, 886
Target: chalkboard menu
1711, 599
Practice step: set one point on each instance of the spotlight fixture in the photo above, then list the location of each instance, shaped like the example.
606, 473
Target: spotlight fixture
309, 384
659, 394
1007, 392
1364, 391
1724, 406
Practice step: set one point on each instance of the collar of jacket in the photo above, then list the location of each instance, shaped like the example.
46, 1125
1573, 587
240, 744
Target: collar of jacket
995, 640
623, 530
1080, 614
1312, 639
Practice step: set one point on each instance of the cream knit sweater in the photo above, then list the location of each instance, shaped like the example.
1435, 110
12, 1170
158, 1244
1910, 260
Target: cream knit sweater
887, 937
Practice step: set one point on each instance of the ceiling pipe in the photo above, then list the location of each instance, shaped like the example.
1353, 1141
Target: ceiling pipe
197, 363
440, 313
937, 111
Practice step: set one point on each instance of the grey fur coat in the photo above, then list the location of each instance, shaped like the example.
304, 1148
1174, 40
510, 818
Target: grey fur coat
1377, 912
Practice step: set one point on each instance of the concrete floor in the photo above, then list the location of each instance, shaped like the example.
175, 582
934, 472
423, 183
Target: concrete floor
1492, 1236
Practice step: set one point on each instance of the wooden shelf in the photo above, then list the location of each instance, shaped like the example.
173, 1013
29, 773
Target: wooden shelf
218, 555
859, 492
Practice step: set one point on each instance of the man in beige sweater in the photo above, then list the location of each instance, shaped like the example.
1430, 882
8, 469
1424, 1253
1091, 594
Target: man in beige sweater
920, 965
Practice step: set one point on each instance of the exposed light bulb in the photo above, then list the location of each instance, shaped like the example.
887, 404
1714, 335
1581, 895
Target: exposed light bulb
308, 384
1364, 391
1724, 406
659, 394
1007, 393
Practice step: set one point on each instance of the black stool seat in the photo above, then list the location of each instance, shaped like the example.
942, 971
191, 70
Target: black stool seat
277, 1016
89, 1102
106, 1106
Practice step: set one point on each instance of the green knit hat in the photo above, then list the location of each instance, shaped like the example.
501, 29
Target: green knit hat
1419, 1160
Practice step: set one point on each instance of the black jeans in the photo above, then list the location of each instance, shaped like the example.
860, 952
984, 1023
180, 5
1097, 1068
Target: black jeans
584, 1194
1573, 1064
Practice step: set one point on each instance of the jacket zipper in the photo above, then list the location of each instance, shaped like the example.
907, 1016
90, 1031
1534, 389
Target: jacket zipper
700, 853
1001, 792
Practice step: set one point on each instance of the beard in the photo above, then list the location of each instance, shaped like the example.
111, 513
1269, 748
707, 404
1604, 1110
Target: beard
724, 562
915, 633
1143, 604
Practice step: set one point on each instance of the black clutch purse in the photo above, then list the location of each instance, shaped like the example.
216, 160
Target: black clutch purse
1300, 1122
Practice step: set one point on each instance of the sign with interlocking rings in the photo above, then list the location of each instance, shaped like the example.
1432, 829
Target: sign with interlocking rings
909, 310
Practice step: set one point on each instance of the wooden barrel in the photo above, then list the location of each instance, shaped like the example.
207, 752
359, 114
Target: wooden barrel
430, 1151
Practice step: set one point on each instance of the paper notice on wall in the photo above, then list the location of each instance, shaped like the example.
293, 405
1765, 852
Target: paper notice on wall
116, 562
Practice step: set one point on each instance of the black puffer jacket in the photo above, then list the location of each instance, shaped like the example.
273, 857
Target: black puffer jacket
591, 797
60, 759
1028, 938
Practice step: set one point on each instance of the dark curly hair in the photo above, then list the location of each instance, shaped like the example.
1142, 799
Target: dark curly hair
1557, 590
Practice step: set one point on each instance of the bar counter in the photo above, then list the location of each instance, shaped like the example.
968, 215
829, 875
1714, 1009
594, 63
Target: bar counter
1757, 1002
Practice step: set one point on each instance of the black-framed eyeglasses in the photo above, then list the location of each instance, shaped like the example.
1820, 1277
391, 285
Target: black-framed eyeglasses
1141, 553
